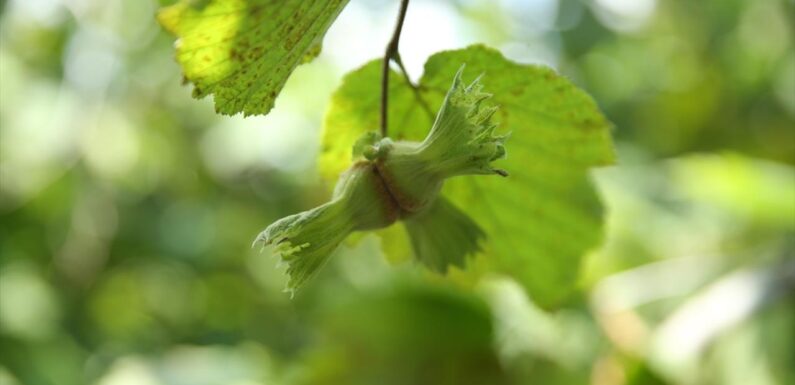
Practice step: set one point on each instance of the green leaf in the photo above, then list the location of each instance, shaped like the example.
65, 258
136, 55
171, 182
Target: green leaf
243, 51
542, 219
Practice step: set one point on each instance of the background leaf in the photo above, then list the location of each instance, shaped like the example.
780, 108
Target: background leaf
455, 332
243, 51
542, 219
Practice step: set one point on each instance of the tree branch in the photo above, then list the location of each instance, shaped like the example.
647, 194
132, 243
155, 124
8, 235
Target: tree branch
391, 54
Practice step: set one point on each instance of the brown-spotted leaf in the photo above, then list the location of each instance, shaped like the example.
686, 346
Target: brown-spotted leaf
243, 51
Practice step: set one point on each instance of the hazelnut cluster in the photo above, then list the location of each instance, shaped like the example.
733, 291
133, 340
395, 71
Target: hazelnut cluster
400, 181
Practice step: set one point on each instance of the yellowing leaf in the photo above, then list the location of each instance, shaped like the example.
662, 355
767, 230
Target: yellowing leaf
243, 51
542, 219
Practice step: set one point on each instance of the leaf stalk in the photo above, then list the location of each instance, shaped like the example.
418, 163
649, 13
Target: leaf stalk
392, 54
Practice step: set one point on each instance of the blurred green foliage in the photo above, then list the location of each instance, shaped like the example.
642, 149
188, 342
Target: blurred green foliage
127, 210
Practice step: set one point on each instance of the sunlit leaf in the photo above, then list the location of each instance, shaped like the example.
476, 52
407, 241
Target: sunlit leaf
243, 51
539, 221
